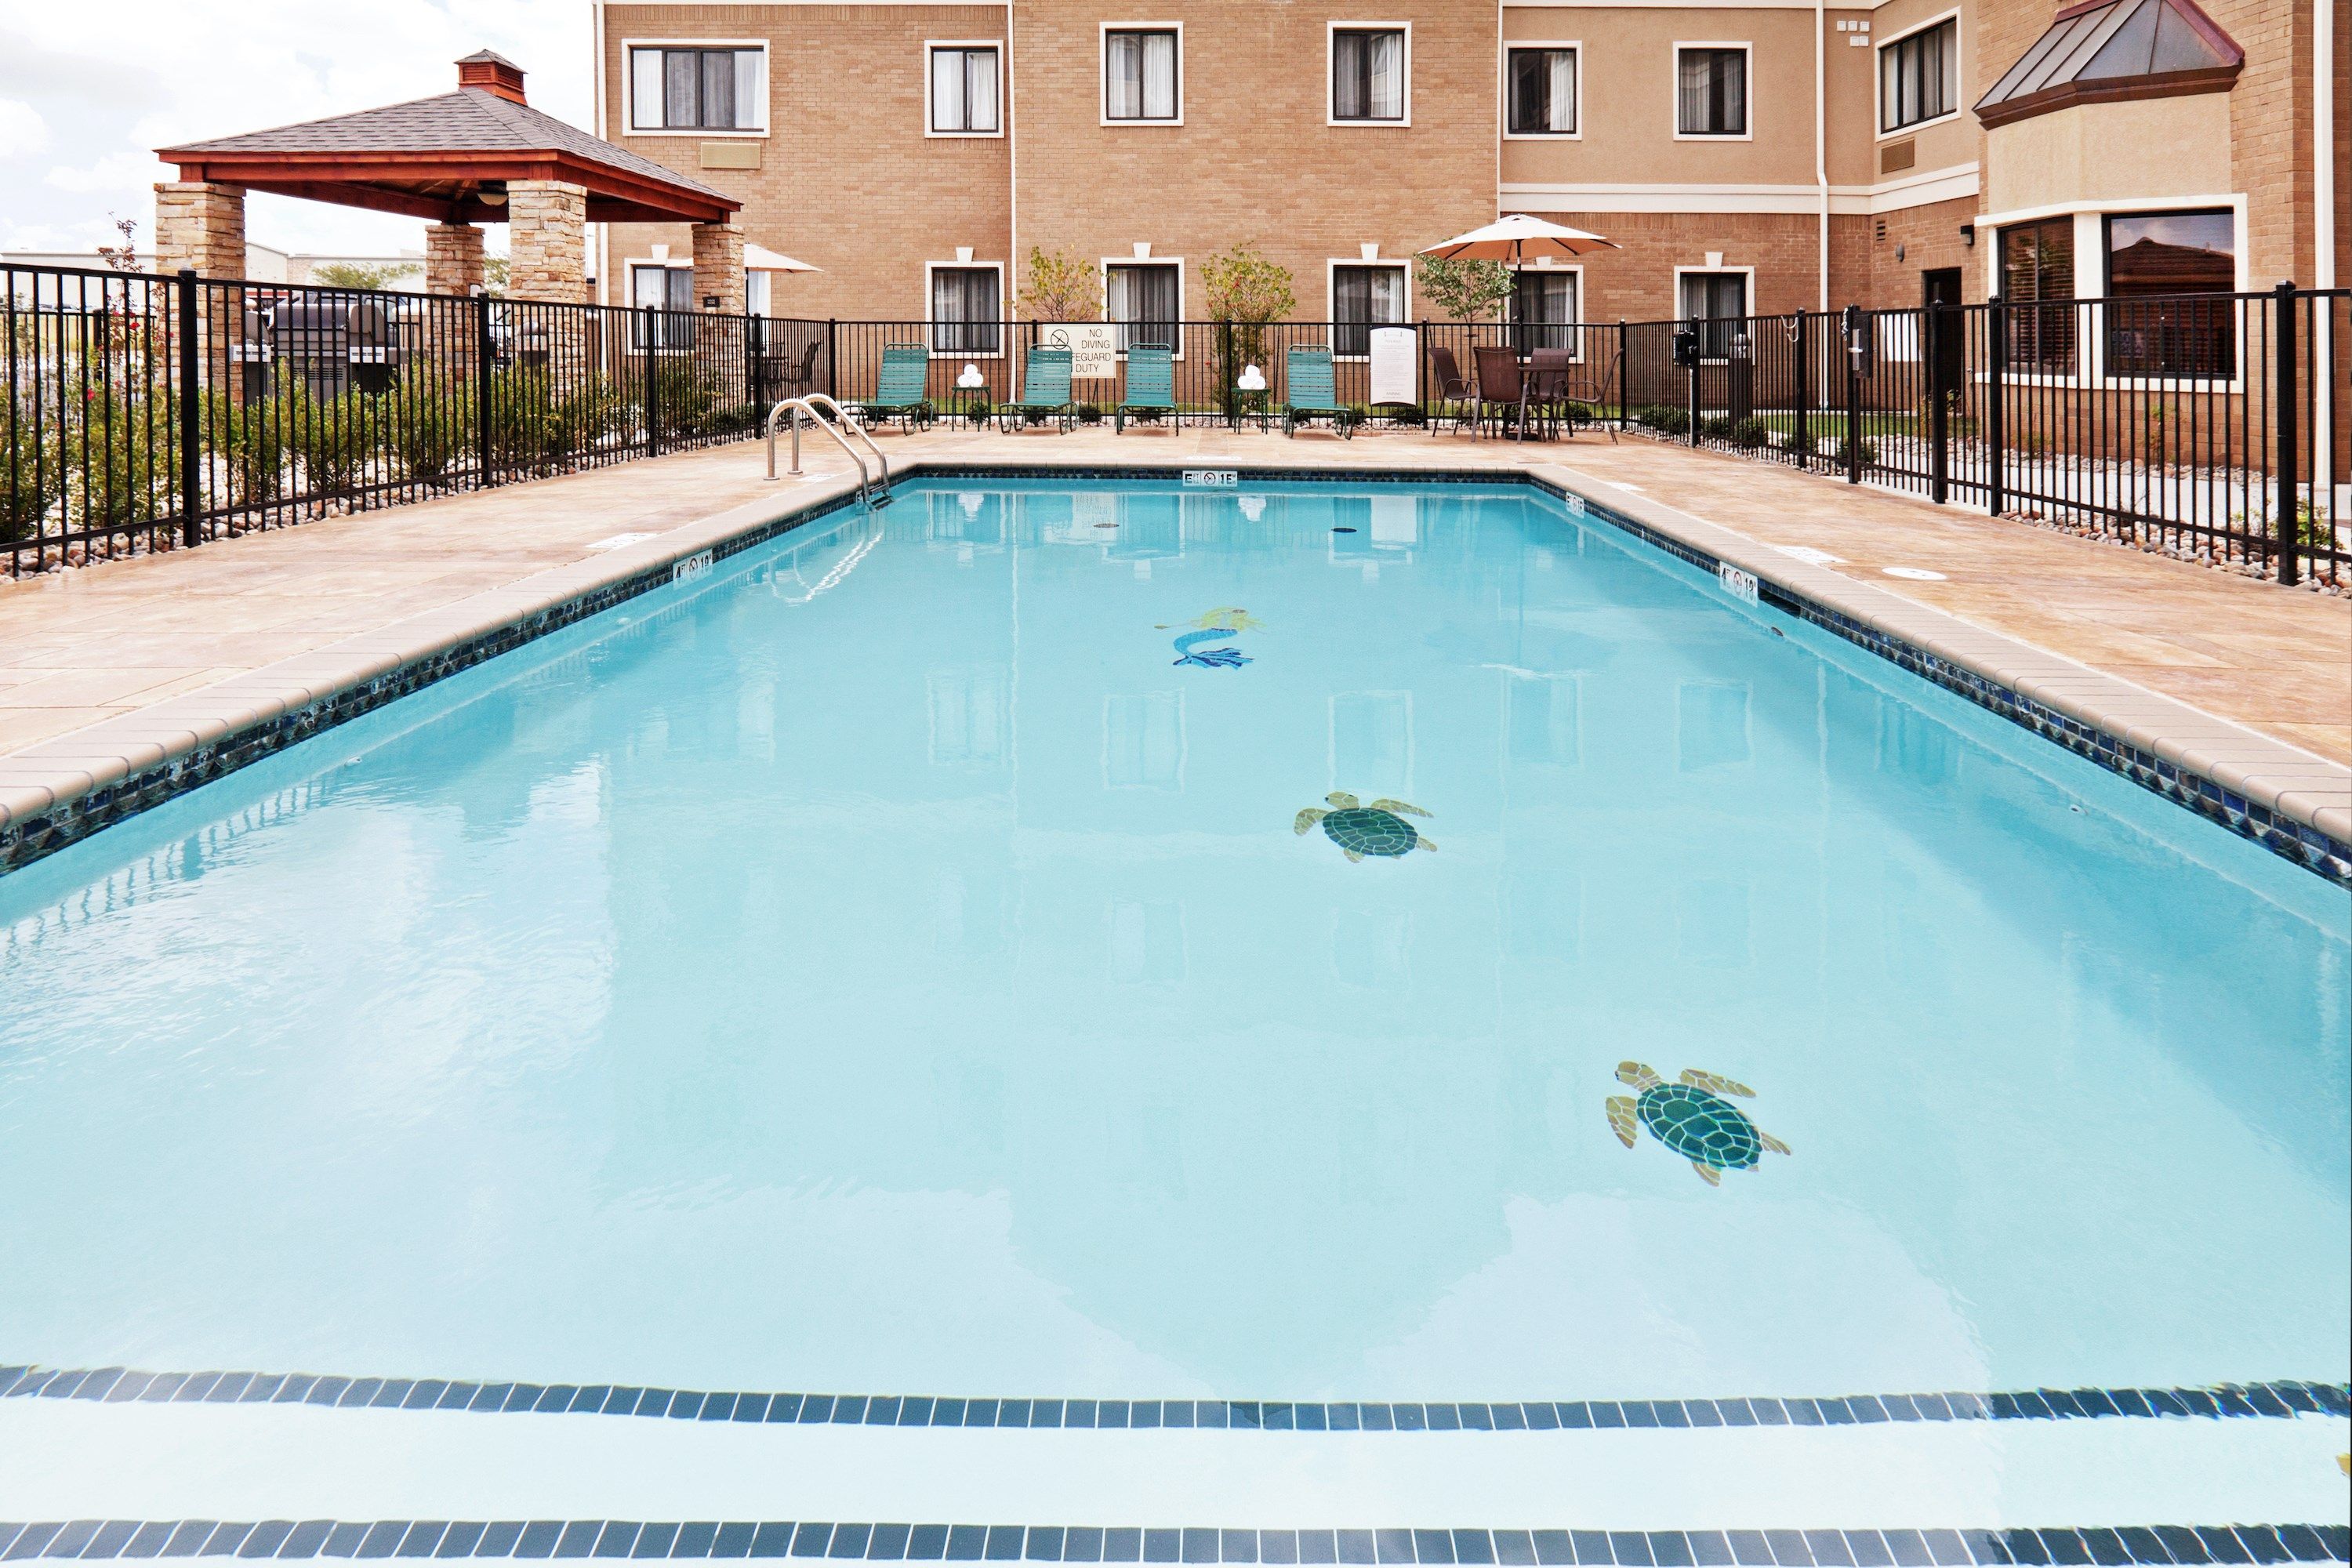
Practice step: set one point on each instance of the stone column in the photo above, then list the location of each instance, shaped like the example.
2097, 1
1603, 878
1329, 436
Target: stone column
547, 234
200, 224
453, 258
719, 268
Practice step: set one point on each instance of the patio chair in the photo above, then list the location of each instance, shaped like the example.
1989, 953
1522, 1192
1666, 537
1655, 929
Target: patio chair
901, 390
1549, 372
1151, 383
1045, 389
1456, 398
1502, 388
1309, 392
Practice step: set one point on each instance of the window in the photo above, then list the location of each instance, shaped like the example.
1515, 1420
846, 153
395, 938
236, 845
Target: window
698, 88
963, 90
1140, 80
1917, 75
1717, 304
1711, 91
1543, 310
758, 293
657, 286
1362, 297
1144, 299
963, 311
1368, 67
2156, 262
2037, 270
1543, 91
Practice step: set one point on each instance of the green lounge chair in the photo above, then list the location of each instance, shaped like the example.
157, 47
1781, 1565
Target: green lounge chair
1151, 383
901, 391
1309, 392
1045, 389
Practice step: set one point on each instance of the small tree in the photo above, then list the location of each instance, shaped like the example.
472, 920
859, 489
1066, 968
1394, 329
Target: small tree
359, 274
123, 258
1062, 287
1466, 291
1245, 290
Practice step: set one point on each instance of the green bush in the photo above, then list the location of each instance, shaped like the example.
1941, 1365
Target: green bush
1800, 443
247, 440
1751, 434
1846, 453
429, 418
32, 474
1714, 427
1665, 419
124, 458
1089, 413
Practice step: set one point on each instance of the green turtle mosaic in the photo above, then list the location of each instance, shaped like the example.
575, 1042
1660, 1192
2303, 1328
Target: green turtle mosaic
1693, 1119
1358, 830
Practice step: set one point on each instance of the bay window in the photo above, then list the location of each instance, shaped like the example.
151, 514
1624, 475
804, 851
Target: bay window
2171, 275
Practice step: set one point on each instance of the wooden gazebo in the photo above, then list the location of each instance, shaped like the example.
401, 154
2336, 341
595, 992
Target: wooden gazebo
480, 154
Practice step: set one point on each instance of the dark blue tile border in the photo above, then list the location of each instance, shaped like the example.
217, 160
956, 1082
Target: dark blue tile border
118, 1386
2107, 1546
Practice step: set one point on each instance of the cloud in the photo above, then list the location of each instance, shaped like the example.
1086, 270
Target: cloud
124, 175
22, 129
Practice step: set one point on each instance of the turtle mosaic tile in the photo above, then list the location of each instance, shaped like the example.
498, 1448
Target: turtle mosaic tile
117, 1386
881, 1543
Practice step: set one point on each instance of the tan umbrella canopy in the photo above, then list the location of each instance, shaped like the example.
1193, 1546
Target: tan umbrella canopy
1519, 238
760, 259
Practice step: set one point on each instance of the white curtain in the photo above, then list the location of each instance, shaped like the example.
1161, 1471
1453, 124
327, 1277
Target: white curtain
963, 90
1367, 75
751, 89
1142, 67
980, 90
1388, 76
645, 88
1560, 103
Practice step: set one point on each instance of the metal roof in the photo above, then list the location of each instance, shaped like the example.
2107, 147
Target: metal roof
2111, 49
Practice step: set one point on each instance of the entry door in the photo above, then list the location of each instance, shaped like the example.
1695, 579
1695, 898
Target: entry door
1941, 286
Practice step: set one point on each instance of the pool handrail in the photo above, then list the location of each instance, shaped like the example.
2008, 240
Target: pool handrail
807, 403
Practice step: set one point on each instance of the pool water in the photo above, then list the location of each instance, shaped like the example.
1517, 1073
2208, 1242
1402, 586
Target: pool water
898, 963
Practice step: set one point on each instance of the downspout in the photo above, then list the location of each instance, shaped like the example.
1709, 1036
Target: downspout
1011, 178
1821, 136
2323, 234
603, 230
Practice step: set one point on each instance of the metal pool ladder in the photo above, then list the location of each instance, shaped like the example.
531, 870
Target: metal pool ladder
867, 490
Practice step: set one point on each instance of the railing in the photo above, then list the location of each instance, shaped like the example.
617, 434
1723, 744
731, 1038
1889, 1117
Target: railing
2214, 427
148, 412
144, 411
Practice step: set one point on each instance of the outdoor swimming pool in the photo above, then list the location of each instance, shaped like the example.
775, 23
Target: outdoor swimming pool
906, 962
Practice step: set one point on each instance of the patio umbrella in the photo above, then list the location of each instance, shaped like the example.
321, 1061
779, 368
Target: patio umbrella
760, 259
1517, 238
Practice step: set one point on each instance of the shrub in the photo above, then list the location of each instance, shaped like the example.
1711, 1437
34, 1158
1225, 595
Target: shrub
1751, 434
247, 439
1714, 427
1089, 413
1846, 453
1665, 419
1800, 443
32, 476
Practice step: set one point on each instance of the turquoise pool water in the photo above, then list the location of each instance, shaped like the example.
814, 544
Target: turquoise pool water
881, 966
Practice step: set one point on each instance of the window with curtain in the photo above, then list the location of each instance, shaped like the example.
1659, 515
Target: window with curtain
1142, 297
2171, 275
1140, 74
963, 311
963, 90
2037, 272
1543, 92
1543, 310
1362, 297
1711, 92
1368, 73
697, 89
1918, 76
657, 286
1717, 304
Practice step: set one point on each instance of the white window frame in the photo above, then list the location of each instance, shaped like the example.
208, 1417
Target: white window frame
929, 130
629, 87
1331, 298
1176, 261
1503, 96
1102, 73
1674, 90
668, 264
1004, 331
1331, 31
1878, 75
1575, 269
1748, 292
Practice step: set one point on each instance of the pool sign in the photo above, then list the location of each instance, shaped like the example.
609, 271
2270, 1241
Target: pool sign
1222, 478
693, 566
1093, 345
1741, 584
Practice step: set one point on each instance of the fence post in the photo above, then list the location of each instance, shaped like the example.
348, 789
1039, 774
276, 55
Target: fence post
1624, 371
2290, 516
1852, 397
192, 489
1692, 436
1996, 409
755, 362
655, 326
485, 346
1939, 408
832, 360
1801, 439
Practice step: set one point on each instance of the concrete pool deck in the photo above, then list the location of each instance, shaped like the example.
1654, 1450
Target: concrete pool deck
111, 670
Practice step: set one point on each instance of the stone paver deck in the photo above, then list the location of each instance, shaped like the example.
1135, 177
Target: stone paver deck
130, 640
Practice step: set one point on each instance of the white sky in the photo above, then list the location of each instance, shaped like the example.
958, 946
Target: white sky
89, 89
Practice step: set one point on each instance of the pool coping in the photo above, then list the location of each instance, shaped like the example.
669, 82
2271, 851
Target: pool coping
61, 790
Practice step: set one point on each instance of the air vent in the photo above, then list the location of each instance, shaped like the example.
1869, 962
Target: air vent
1881, 228
1898, 156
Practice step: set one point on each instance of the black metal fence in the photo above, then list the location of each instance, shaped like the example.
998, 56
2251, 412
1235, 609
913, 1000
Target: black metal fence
144, 411
2216, 426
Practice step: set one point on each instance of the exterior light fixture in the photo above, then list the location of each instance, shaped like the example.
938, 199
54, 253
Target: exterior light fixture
1968, 235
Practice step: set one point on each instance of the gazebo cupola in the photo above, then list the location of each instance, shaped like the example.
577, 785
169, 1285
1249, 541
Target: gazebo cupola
480, 154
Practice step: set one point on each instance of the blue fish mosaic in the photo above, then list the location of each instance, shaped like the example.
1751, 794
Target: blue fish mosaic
1215, 627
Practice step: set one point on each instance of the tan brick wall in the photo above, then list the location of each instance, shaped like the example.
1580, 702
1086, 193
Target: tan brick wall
547, 250
453, 258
